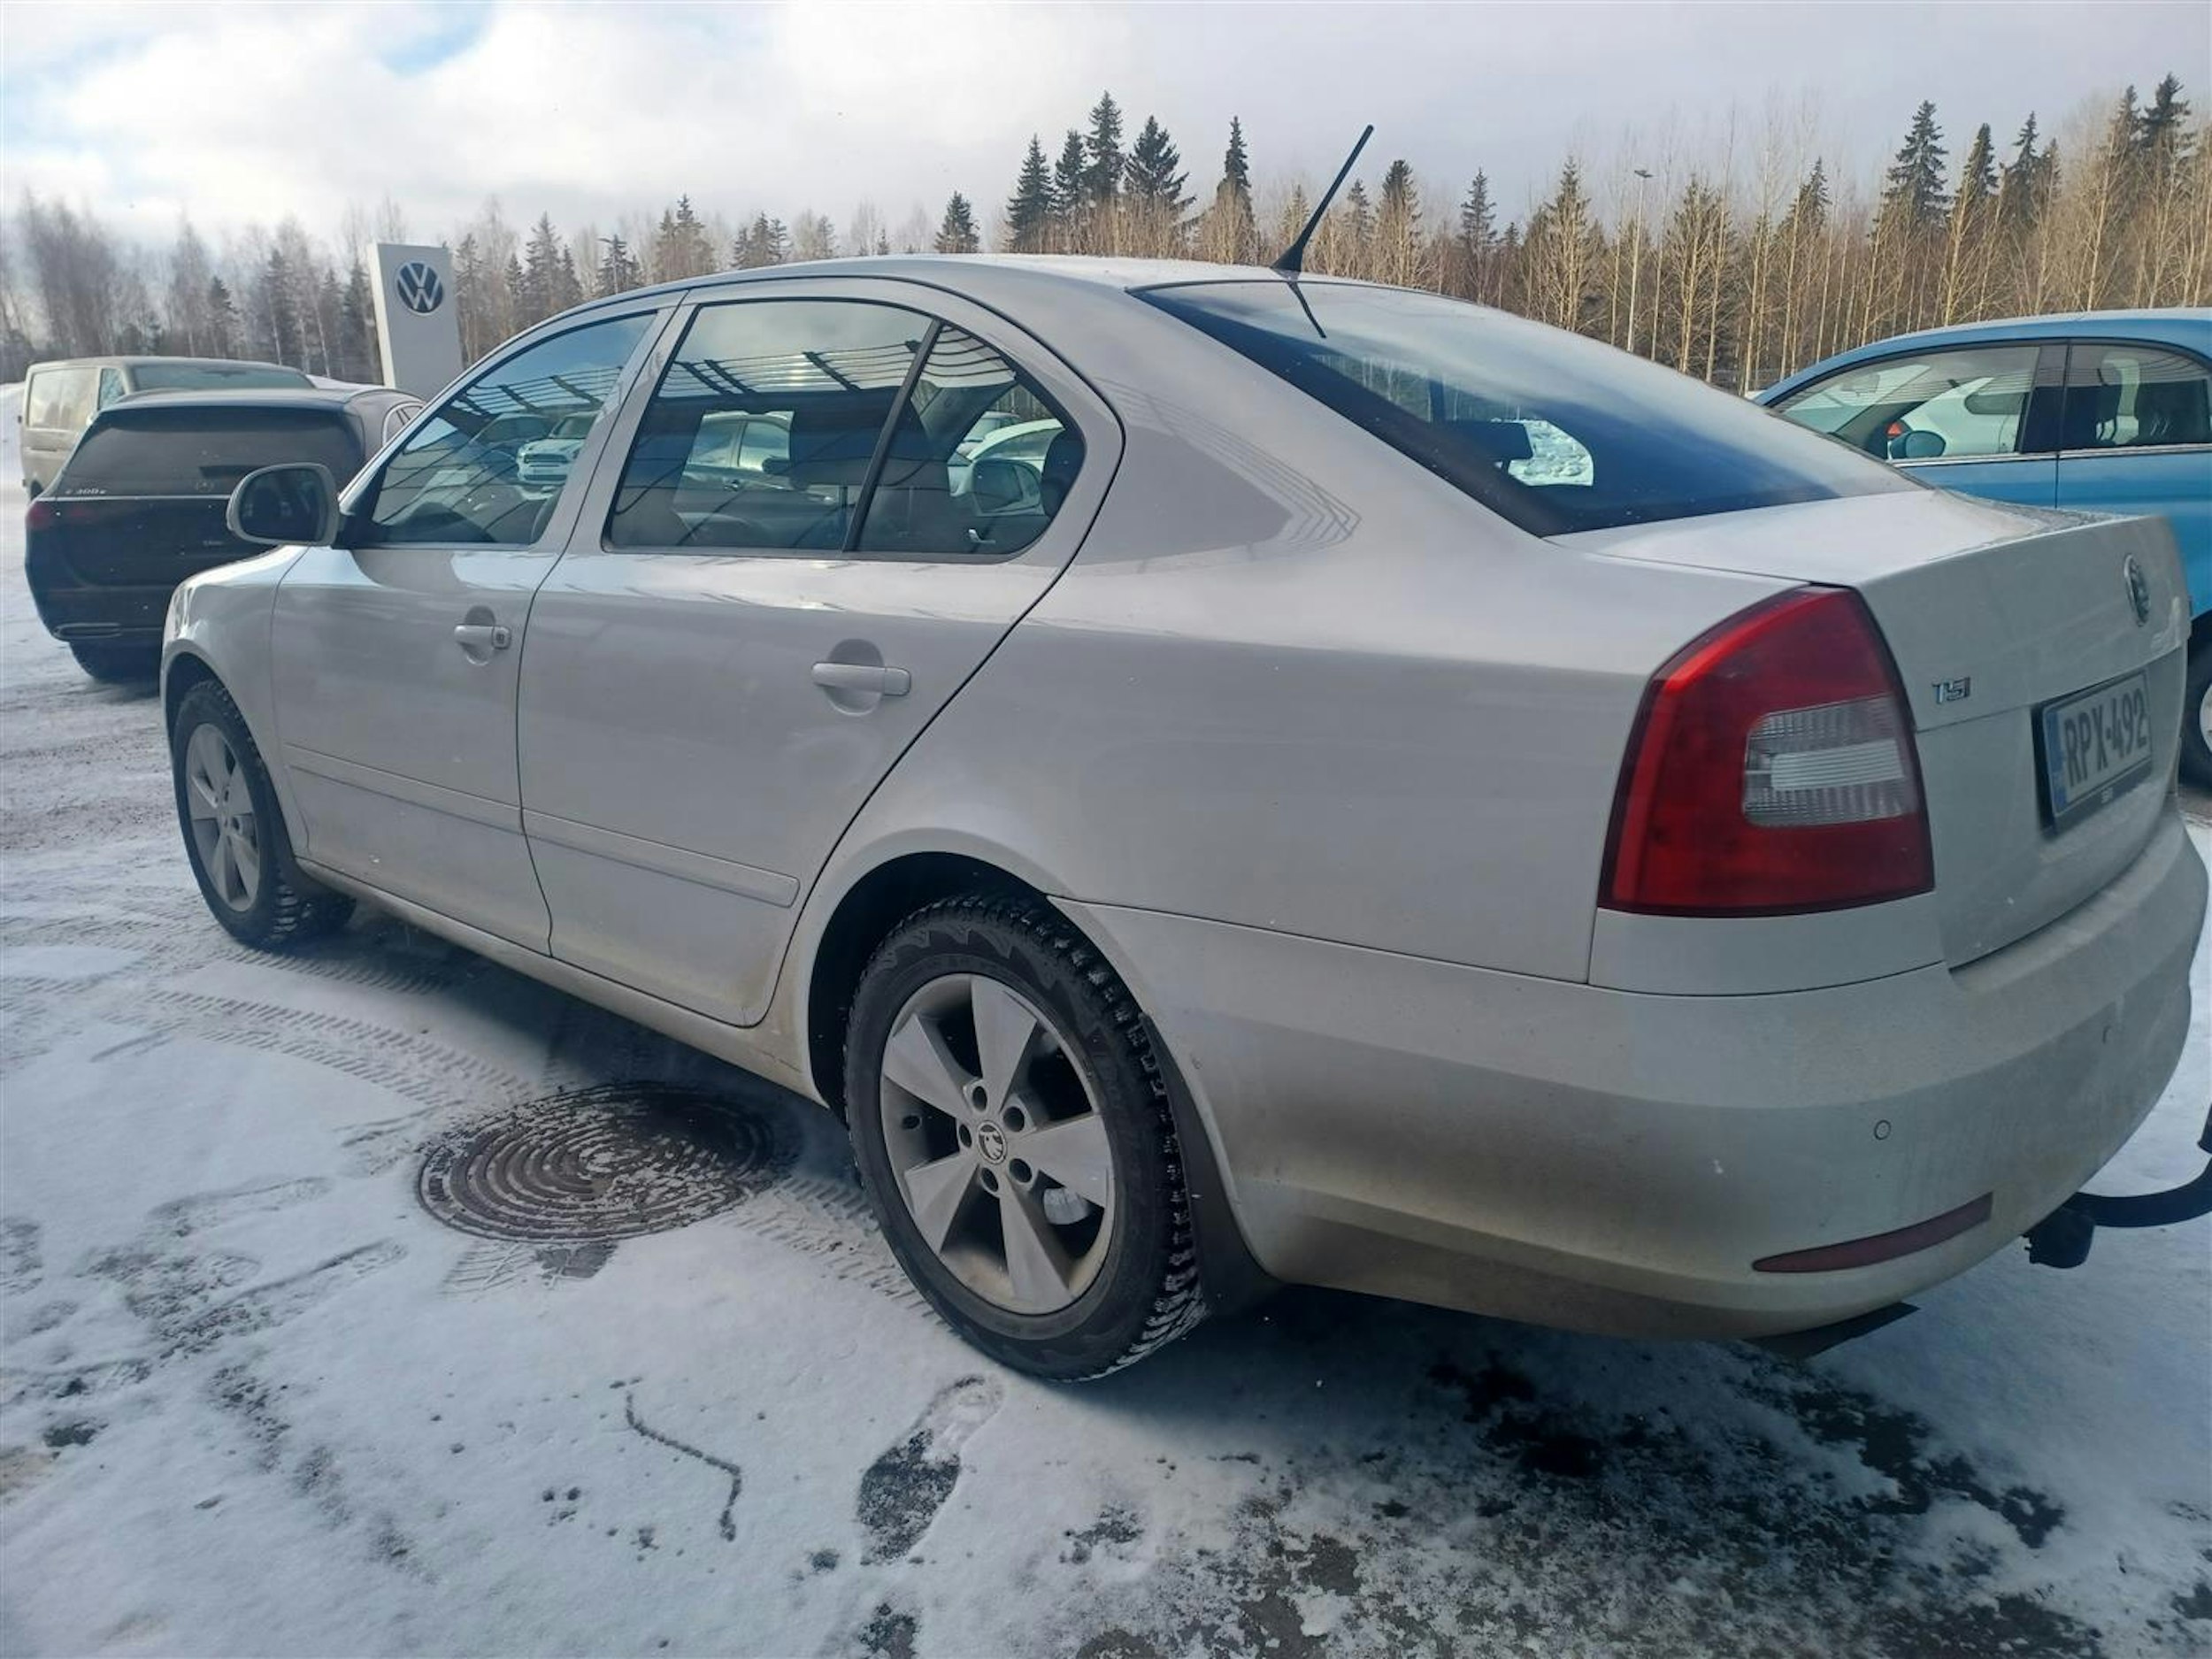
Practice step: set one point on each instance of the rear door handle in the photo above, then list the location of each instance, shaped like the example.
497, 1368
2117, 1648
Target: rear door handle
482, 636
887, 682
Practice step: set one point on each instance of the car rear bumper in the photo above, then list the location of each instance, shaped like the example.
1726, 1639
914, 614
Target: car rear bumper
89, 615
1618, 1161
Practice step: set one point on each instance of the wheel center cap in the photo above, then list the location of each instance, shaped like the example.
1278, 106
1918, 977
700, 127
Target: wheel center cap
990, 1140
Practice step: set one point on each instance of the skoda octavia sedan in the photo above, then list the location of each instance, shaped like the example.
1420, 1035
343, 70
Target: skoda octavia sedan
1412, 800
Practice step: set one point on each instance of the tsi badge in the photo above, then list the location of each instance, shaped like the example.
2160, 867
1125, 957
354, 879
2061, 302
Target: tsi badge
1954, 690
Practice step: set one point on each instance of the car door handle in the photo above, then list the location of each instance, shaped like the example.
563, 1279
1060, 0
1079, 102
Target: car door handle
482, 636
887, 682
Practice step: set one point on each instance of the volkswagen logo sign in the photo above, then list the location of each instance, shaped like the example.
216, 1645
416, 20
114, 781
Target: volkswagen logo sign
419, 287
2139, 590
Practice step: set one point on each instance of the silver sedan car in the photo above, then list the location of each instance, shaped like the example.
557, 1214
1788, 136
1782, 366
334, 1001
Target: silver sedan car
1413, 801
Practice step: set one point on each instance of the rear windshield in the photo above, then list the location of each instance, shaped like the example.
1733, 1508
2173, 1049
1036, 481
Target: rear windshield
212, 377
153, 451
1553, 432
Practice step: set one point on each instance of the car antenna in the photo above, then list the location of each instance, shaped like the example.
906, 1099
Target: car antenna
1292, 261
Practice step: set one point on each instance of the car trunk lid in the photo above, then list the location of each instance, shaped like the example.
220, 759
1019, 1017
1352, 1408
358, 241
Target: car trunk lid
1996, 616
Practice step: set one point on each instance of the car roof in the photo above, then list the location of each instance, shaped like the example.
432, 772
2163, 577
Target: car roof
969, 273
2187, 327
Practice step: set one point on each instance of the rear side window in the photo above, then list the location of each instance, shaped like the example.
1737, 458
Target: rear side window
1956, 403
2128, 397
61, 399
197, 451
1552, 432
214, 377
978, 463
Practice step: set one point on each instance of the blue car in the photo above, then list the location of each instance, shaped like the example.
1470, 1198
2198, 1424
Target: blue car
2103, 411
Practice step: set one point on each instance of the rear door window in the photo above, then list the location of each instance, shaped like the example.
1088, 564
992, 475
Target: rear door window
815, 379
2128, 397
148, 450
1959, 404
1553, 432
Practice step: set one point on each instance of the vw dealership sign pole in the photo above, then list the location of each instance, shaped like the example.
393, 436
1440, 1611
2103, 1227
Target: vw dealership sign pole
417, 321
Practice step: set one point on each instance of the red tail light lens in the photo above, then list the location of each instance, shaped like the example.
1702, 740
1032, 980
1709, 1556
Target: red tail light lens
1772, 770
40, 515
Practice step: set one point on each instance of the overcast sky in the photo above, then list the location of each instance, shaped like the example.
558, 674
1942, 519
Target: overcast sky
239, 112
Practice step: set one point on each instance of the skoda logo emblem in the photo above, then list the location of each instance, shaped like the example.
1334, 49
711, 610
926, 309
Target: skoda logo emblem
2139, 591
420, 289
990, 1140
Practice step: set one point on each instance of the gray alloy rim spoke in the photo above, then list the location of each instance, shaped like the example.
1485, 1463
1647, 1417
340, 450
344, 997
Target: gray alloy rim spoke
220, 805
996, 1145
935, 1192
917, 1060
1035, 1261
1005, 1030
1076, 1155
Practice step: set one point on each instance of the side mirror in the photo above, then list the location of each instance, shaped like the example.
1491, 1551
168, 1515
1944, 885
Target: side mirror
1000, 486
281, 506
1917, 444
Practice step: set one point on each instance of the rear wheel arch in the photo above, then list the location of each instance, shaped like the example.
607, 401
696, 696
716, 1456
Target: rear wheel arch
874, 907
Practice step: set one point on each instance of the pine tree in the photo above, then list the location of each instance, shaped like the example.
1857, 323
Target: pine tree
680, 246
1978, 173
540, 296
356, 320
1029, 210
1236, 165
279, 310
618, 271
956, 233
2023, 185
763, 242
1067, 192
2162, 137
1105, 161
518, 286
1398, 249
1912, 188
1154, 172
1231, 235
1156, 200
222, 319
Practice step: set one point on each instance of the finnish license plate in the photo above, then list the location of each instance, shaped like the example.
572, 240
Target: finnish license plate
2094, 744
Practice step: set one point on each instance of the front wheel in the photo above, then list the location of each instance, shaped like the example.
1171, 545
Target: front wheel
1013, 1131
234, 831
2196, 718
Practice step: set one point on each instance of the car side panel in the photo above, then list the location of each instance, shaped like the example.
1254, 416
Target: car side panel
1283, 646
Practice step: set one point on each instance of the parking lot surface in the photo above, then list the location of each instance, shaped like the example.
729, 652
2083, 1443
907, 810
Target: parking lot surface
380, 1300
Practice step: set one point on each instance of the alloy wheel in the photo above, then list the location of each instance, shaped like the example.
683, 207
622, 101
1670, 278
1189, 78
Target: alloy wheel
225, 833
996, 1142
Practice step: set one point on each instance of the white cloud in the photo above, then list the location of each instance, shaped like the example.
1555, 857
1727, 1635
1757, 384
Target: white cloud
244, 113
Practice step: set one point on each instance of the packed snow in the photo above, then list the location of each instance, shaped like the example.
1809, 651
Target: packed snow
256, 1396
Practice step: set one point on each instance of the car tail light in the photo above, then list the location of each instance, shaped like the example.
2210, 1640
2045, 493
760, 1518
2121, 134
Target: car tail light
41, 515
1771, 770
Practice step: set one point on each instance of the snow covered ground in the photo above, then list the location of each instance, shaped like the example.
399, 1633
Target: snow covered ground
254, 1398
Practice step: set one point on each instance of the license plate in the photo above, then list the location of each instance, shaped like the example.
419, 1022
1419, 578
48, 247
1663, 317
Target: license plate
2094, 745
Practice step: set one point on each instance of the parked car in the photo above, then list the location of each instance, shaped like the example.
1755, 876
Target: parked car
60, 398
140, 504
2107, 411
1666, 896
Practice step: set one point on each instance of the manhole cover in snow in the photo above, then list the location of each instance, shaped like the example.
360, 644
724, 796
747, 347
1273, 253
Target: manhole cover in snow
605, 1162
